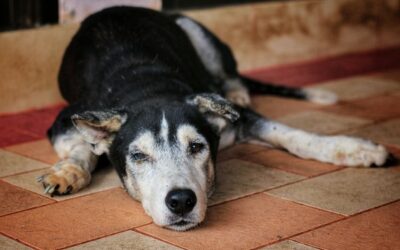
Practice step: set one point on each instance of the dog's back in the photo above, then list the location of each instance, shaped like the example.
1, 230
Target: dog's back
129, 52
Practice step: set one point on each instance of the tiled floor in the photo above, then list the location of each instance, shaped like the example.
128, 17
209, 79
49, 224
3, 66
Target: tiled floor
265, 198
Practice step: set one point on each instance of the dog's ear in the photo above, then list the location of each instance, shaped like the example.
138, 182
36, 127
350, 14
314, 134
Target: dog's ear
217, 109
99, 127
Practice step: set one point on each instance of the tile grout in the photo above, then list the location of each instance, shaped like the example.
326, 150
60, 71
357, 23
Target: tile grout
156, 238
57, 201
272, 188
305, 205
19, 241
319, 248
25, 172
336, 221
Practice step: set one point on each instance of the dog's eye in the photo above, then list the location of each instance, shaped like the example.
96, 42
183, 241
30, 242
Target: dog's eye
138, 156
195, 147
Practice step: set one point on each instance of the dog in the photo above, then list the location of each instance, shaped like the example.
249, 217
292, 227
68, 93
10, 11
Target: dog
159, 95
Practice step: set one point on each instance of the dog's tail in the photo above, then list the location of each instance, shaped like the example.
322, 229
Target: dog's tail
313, 95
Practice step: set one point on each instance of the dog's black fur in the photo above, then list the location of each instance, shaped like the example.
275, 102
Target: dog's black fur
137, 61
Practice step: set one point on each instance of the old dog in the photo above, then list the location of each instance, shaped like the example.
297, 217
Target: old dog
159, 95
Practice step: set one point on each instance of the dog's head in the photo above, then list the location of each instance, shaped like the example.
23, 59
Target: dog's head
164, 154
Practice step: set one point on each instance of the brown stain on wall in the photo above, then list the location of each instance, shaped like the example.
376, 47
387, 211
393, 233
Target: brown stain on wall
260, 35
284, 32
29, 62
375, 15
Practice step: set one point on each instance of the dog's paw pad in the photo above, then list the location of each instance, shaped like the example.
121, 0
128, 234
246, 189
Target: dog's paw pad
361, 153
68, 178
239, 97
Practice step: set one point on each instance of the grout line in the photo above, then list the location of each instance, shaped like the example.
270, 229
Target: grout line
276, 187
337, 221
58, 201
307, 205
319, 248
373, 208
88, 194
156, 238
27, 190
272, 188
96, 238
28, 209
27, 172
19, 241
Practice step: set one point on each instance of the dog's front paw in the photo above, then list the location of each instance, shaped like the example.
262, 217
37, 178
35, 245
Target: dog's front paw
66, 178
357, 152
239, 97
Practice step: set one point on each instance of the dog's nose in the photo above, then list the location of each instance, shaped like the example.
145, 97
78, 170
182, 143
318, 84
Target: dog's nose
181, 201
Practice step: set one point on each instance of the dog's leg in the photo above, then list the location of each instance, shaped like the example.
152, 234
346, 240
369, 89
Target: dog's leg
236, 92
73, 171
339, 150
218, 59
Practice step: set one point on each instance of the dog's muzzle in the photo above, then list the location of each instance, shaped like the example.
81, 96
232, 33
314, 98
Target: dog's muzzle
181, 201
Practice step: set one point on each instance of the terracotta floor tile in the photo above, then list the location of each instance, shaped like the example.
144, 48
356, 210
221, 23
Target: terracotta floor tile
246, 223
40, 150
14, 199
376, 229
9, 136
7, 243
126, 240
11, 163
274, 107
322, 122
286, 245
347, 192
239, 150
386, 132
323, 69
290, 163
35, 121
236, 178
359, 87
373, 108
74, 221
102, 179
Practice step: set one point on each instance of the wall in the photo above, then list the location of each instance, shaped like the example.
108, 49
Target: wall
264, 34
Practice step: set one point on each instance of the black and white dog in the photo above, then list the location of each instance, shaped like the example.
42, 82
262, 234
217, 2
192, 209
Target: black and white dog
159, 95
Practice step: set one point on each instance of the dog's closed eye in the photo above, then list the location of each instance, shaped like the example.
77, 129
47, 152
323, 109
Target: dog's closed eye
195, 147
139, 156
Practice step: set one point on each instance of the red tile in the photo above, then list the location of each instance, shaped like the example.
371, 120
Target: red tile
246, 223
14, 199
290, 163
75, 221
373, 108
10, 136
323, 69
375, 229
36, 122
40, 150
